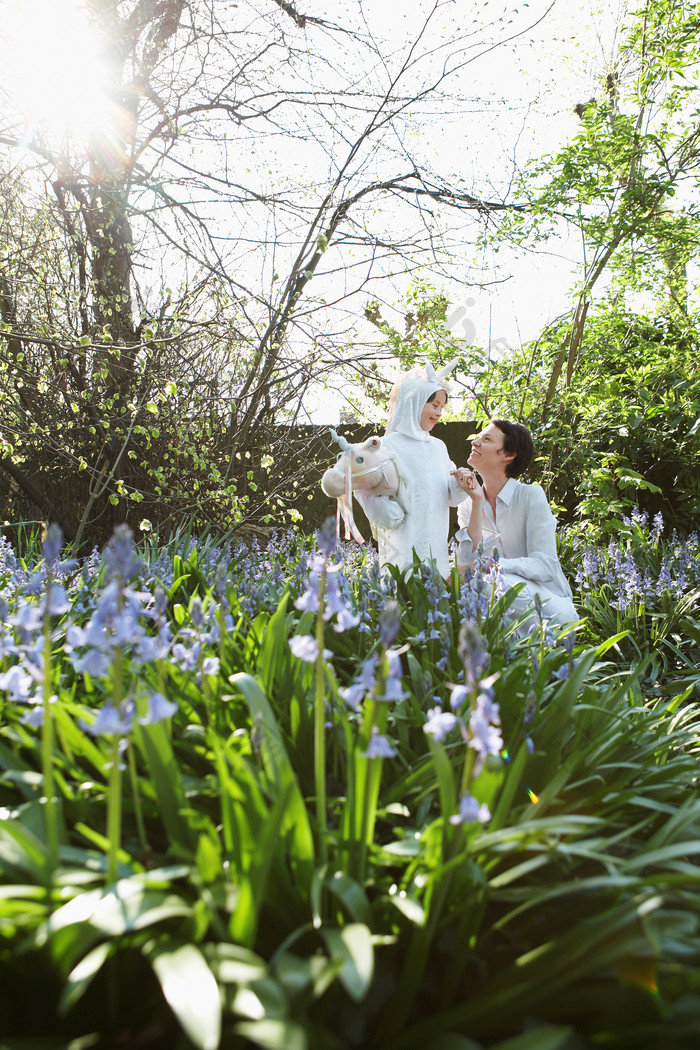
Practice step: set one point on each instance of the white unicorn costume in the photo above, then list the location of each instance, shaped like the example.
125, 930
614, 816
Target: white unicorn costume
418, 518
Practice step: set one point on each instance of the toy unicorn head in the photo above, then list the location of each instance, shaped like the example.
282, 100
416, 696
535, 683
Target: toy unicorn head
359, 467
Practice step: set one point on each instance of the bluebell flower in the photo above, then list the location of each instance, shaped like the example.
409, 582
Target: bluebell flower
197, 612
473, 653
440, 723
353, 695
458, 696
94, 663
57, 601
471, 811
210, 665
34, 716
159, 710
378, 746
486, 703
28, 618
389, 623
52, 544
309, 601
120, 558
186, 657
17, 683
345, 620
485, 737
326, 537
305, 647
393, 691
111, 721
368, 671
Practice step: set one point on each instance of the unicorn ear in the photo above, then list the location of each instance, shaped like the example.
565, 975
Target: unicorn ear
430, 372
446, 369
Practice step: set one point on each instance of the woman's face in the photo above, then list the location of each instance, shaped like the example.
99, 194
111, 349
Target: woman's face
432, 410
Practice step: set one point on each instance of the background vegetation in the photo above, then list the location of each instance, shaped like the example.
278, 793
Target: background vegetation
180, 277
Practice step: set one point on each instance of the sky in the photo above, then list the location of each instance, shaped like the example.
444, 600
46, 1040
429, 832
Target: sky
525, 91
532, 85
517, 103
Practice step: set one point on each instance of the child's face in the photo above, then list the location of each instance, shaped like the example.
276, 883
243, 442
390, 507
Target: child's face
432, 410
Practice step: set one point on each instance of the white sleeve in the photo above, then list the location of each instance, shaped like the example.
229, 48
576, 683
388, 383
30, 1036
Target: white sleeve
456, 495
466, 547
541, 562
383, 512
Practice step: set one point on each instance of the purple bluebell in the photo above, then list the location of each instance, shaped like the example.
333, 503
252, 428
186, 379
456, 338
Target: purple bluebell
17, 683
120, 558
159, 710
52, 544
326, 537
112, 721
305, 647
353, 695
440, 723
378, 746
471, 811
389, 623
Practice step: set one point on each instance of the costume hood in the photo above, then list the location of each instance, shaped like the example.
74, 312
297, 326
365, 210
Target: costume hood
412, 395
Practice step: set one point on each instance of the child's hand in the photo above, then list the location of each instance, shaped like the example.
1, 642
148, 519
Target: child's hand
467, 481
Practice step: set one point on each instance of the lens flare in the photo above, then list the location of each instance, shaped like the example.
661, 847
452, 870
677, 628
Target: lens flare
56, 70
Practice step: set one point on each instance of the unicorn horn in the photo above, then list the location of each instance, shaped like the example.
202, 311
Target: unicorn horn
339, 440
446, 369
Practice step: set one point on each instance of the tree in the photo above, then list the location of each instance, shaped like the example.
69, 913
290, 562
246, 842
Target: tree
147, 358
627, 182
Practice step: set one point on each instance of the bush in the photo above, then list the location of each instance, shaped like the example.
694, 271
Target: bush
625, 432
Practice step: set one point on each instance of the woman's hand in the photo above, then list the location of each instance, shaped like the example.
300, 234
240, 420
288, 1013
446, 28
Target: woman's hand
468, 482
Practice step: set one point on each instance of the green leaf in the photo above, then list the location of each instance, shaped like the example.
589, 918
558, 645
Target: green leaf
279, 767
128, 905
352, 945
511, 784
155, 744
348, 891
80, 978
191, 991
546, 1038
272, 1034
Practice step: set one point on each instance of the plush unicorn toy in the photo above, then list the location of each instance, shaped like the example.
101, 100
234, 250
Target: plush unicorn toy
359, 466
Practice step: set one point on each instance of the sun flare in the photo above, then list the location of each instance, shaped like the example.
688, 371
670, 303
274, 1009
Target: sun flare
56, 71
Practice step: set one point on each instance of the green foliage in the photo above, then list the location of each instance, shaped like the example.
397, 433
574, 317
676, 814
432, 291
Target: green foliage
625, 432
625, 184
643, 589
275, 884
425, 336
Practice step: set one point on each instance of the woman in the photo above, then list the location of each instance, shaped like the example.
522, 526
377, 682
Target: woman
514, 518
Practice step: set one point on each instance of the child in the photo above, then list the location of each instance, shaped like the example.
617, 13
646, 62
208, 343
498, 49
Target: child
418, 519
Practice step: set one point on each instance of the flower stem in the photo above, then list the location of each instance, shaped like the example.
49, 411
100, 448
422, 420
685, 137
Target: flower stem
138, 811
47, 753
114, 814
114, 797
320, 729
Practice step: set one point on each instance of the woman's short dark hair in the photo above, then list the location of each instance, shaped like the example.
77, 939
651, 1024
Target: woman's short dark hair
517, 439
